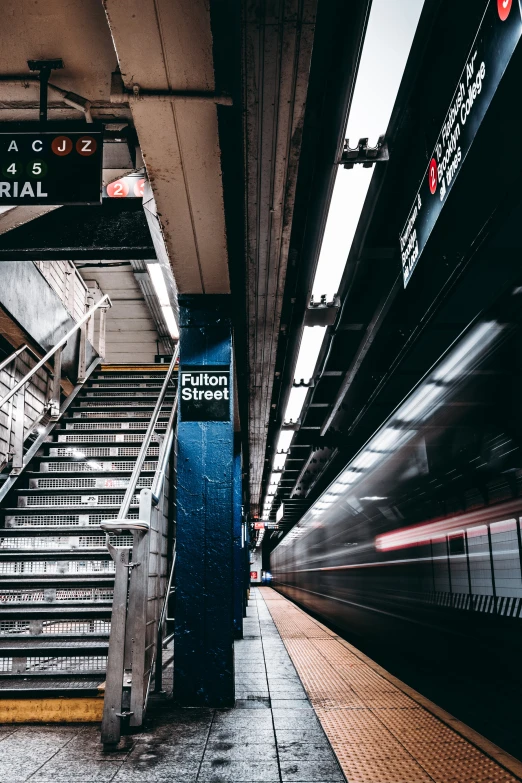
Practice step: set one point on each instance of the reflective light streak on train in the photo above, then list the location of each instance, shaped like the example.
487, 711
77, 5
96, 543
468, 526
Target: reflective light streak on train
425, 533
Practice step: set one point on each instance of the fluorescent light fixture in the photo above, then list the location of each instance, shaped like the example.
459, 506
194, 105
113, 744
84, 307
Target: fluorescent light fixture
158, 281
386, 440
285, 439
295, 403
422, 401
170, 320
388, 39
348, 197
373, 497
275, 478
467, 351
279, 513
337, 488
348, 477
366, 459
311, 342
279, 462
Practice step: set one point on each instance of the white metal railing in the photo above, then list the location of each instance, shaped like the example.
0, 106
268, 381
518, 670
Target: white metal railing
52, 363
141, 586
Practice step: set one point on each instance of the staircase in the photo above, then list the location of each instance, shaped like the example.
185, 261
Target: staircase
56, 574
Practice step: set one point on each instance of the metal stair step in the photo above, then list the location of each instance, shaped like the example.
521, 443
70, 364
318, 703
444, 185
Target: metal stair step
12, 555
94, 480
23, 581
95, 439
41, 665
88, 397
93, 466
75, 498
108, 450
41, 645
137, 424
104, 411
64, 598
68, 539
47, 687
56, 612
26, 520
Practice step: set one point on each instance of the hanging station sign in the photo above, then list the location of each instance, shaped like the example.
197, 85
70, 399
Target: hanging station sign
494, 44
205, 394
54, 163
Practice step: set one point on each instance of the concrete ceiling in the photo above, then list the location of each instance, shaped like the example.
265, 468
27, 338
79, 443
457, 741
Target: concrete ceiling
277, 50
76, 31
160, 45
166, 45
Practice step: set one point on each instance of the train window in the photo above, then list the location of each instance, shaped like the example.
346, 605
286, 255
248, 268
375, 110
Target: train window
456, 545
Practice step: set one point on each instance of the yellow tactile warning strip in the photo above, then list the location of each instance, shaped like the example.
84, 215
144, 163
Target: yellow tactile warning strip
80, 710
379, 731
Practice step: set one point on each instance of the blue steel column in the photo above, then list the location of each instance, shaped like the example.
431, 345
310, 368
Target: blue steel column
238, 543
204, 574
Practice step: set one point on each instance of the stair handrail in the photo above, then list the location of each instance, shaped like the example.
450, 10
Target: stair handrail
164, 454
128, 669
104, 302
138, 465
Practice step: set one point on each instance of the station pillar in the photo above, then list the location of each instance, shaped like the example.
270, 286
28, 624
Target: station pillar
239, 542
204, 573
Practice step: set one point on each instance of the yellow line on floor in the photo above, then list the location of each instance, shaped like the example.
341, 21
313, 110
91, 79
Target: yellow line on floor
79, 710
381, 730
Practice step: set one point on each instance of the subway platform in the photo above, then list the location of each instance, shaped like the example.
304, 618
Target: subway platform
310, 709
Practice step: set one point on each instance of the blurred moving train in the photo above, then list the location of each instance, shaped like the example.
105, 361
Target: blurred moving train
415, 547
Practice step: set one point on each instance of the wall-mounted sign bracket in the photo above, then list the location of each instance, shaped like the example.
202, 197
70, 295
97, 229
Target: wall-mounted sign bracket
44, 68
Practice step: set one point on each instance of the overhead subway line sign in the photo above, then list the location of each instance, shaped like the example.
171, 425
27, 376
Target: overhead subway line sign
54, 163
494, 44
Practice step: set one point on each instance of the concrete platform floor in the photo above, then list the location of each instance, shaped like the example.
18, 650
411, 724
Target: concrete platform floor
272, 735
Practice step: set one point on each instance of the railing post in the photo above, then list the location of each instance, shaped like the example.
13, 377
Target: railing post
18, 433
112, 705
90, 322
82, 359
101, 336
54, 402
138, 594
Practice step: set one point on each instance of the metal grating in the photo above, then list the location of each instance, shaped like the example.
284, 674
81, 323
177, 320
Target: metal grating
127, 438
51, 595
102, 451
89, 467
78, 500
107, 395
378, 732
113, 425
67, 543
61, 520
104, 414
77, 627
58, 567
140, 403
88, 483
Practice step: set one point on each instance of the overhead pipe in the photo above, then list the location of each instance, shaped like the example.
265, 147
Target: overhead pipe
137, 94
69, 98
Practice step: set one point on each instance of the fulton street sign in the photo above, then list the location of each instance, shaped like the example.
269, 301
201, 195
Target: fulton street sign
205, 394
